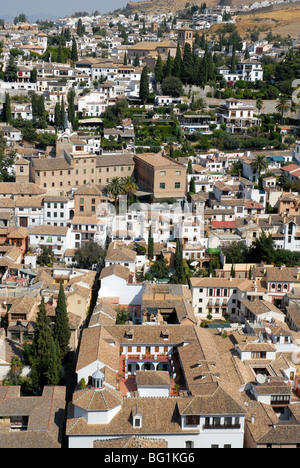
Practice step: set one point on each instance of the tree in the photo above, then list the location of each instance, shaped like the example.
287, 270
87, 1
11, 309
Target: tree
14, 373
283, 106
178, 263
7, 161
192, 185
168, 66
74, 53
57, 116
144, 85
158, 69
89, 255
160, 269
259, 107
44, 355
187, 65
150, 244
125, 62
6, 113
172, 86
61, 330
233, 60
62, 113
46, 257
116, 188
80, 28
263, 249
259, 165
71, 107
38, 107
129, 188
177, 62
33, 75
123, 316
171, 153
236, 252
11, 71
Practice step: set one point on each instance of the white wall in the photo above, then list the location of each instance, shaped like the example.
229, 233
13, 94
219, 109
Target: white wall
128, 294
205, 439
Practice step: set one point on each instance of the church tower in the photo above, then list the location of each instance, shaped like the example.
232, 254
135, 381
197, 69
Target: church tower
186, 35
22, 169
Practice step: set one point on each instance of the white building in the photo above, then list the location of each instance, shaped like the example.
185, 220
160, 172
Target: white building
57, 210
220, 296
93, 104
237, 116
58, 238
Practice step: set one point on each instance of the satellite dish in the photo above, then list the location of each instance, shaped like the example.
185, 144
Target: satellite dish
260, 378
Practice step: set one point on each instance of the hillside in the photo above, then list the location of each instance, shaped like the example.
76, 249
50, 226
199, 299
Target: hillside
281, 20
166, 6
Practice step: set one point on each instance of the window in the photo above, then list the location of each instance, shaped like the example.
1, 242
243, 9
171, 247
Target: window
162, 173
177, 185
162, 185
192, 420
137, 422
189, 444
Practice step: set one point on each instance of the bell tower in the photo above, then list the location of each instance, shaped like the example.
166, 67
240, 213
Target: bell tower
186, 35
22, 170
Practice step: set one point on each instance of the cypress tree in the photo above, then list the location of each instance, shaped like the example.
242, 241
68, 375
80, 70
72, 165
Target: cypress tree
187, 68
74, 52
57, 119
6, 115
144, 85
178, 262
192, 185
11, 71
62, 113
210, 67
150, 244
177, 63
59, 54
45, 359
80, 28
158, 69
125, 59
71, 107
169, 66
171, 154
61, 329
233, 60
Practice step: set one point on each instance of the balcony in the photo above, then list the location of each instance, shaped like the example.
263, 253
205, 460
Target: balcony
221, 426
147, 357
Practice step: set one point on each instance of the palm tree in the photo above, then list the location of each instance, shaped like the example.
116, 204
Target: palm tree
130, 187
283, 106
259, 106
259, 165
116, 188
